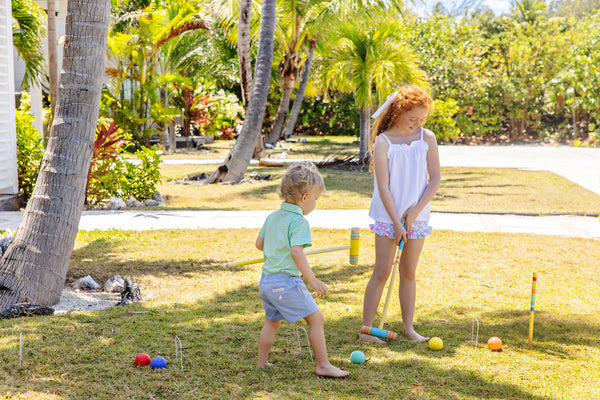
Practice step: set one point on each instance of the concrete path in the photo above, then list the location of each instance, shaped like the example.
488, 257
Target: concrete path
573, 226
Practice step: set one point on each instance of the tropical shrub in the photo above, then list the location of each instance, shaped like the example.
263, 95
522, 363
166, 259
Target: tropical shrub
111, 175
441, 121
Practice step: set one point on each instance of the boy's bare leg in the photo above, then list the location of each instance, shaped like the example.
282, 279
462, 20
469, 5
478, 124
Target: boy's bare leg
385, 251
265, 342
316, 336
408, 287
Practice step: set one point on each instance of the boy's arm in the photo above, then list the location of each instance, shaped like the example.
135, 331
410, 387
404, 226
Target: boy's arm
260, 243
304, 267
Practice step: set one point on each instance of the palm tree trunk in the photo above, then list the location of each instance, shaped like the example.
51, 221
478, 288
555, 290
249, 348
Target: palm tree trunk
35, 264
287, 88
52, 57
243, 49
236, 163
297, 105
365, 132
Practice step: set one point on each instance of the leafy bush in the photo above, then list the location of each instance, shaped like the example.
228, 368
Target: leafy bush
441, 120
335, 116
30, 149
111, 175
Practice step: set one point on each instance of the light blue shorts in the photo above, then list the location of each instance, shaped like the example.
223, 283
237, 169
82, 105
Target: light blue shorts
285, 296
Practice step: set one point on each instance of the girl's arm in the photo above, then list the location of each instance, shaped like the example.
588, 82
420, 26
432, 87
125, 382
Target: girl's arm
382, 175
304, 267
433, 170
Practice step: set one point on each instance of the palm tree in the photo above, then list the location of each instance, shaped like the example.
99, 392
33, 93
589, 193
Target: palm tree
34, 267
243, 50
303, 23
28, 32
368, 59
235, 164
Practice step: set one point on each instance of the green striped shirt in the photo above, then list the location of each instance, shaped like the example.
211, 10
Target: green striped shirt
283, 229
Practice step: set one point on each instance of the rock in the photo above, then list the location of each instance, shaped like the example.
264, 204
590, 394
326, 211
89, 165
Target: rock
131, 293
158, 197
25, 310
258, 177
114, 284
116, 203
151, 203
133, 202
86, 283
4, 242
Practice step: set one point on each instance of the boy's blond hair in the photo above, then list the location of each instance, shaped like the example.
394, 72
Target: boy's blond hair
298, 179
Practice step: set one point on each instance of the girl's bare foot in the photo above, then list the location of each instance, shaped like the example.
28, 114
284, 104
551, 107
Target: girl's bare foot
268, 364
413, 335
331, 372
363, 337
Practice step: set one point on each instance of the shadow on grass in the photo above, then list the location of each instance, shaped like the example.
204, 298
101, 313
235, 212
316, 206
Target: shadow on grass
69, 356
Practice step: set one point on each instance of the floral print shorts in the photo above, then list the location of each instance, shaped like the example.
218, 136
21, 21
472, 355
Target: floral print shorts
419, 229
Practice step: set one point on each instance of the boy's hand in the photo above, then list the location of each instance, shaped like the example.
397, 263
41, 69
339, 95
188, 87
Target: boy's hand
318, 287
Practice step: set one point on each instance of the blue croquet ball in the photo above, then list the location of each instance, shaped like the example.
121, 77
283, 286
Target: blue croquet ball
158, 362
357, 357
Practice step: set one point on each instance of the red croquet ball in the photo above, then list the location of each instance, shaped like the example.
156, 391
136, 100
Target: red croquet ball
494, 343
142, 359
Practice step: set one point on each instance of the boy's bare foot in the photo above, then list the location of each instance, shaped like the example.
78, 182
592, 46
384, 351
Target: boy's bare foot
331, 372
268, 364
413, 335
363, 337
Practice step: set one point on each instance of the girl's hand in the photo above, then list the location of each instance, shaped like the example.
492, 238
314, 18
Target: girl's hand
399, 233
318, 287
410, 216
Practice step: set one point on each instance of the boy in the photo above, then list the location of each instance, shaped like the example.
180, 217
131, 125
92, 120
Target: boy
282, 238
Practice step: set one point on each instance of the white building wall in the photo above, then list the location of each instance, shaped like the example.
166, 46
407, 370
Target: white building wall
8, 135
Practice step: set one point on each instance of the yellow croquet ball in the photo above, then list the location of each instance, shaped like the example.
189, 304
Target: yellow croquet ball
435, 343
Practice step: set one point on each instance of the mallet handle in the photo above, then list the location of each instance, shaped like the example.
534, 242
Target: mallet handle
308, 252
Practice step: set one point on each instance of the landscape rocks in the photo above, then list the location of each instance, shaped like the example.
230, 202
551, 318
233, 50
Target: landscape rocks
131, 293
114, 284
133, 202
86, 283
117, 203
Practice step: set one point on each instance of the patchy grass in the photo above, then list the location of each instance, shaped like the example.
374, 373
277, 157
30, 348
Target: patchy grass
216, 313
462, 189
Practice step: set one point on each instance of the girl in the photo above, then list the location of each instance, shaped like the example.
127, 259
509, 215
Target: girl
405, 162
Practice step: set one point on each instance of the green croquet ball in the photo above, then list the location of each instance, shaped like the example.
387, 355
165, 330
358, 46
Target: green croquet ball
357, 357
435, 343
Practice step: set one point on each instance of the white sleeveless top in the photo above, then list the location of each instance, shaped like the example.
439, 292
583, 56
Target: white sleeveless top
407, 164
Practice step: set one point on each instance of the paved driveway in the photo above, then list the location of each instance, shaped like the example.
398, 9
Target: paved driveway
577, 164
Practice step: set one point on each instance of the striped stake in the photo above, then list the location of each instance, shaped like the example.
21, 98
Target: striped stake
354, 244
532, 308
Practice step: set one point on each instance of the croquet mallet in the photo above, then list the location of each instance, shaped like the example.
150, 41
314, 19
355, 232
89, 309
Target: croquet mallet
395, 268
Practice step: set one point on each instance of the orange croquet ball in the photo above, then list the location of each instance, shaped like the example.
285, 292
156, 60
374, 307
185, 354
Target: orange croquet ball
494, 343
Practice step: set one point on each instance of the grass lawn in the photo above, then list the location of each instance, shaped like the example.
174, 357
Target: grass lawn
462, 189
216, 313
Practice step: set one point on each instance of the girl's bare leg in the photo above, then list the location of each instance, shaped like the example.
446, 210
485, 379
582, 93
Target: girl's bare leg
408, 286
385, 251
